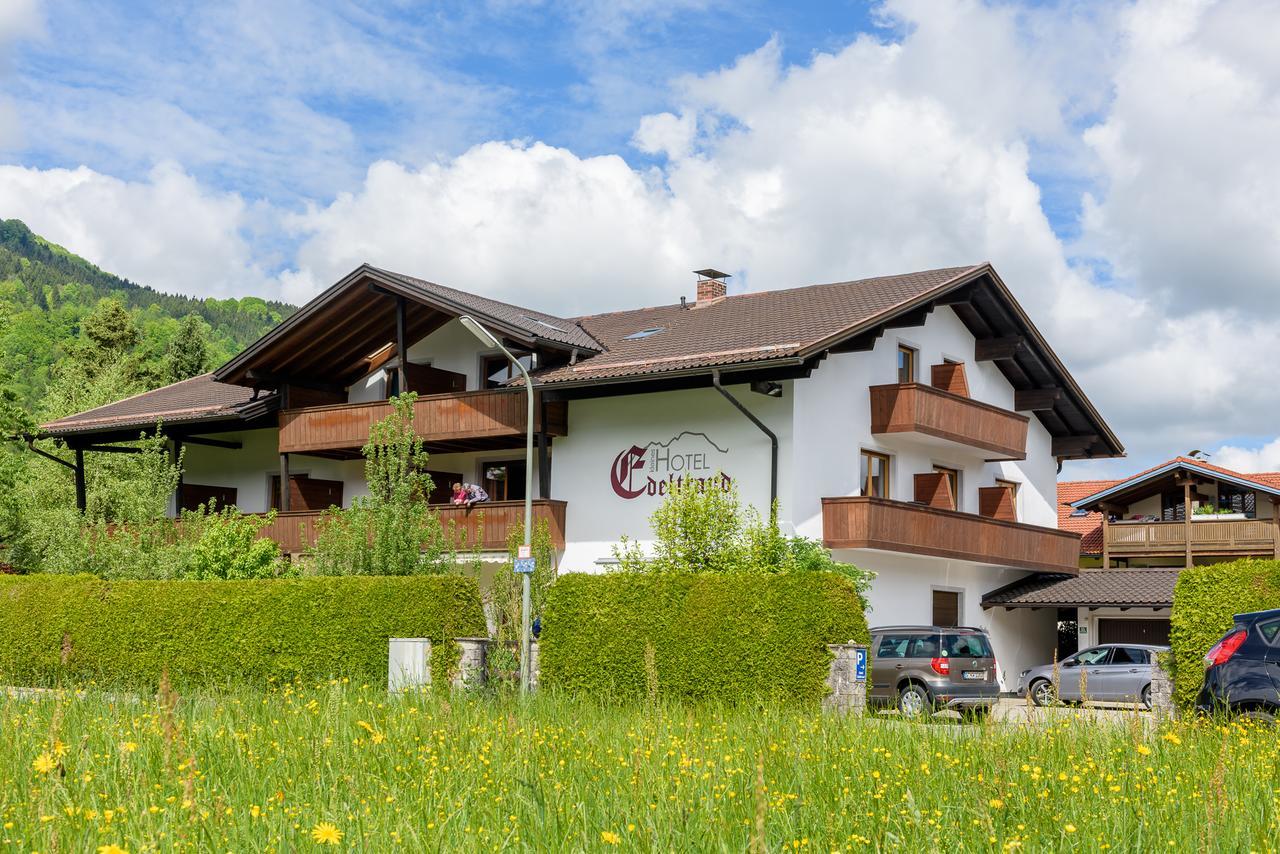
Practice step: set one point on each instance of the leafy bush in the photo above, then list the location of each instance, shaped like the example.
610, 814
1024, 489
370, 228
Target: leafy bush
1204, 601
697, 635
392, 530
78, 628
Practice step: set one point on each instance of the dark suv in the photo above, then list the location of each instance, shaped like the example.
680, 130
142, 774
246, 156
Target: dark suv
1242, 671
921, 669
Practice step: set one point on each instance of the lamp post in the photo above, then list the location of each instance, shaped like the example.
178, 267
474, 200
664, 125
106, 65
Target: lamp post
489, 340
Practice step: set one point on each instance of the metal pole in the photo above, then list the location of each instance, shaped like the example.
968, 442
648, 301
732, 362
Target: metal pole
525, 603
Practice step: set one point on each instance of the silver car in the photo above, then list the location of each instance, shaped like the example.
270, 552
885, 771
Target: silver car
1112, 672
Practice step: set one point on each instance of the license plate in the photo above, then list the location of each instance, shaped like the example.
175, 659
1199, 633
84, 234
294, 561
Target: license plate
975, 674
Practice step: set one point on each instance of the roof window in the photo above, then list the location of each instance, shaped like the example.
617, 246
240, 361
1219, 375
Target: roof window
1079, 511
644, 333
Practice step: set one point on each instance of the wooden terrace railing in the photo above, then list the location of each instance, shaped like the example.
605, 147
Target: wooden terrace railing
920, 408
455, 417
1209, 536
861, 522
483, 527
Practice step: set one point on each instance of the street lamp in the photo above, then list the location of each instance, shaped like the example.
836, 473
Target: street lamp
487, 338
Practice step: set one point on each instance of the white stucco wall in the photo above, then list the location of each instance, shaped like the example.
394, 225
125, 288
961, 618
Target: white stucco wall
691, 433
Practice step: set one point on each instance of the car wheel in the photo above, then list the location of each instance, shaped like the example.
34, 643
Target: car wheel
1260, 715
1146, 698
1043, 693
913, 701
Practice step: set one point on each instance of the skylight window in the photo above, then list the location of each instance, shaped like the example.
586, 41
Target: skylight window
1079, 511
643, 333
542, 323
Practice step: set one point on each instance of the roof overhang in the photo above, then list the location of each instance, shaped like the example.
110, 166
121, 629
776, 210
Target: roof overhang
1135, 484
336, 336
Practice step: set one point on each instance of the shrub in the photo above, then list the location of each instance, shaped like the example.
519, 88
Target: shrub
706, 635
55, 628
1204, 601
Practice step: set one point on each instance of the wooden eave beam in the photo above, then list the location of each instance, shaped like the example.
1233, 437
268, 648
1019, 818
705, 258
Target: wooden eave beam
212, 443
274, 380
860, 343
995, 349
1065, 446
915, 317
383, 315
1036, 399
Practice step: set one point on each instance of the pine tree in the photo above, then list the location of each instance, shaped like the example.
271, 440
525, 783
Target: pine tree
188, 354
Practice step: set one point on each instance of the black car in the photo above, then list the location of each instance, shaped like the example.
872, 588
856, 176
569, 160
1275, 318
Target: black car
1242, 671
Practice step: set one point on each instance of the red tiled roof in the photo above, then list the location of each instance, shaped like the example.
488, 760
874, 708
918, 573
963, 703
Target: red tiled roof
1089, 527
198, 399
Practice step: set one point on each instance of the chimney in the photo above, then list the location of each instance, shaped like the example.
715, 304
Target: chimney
711, 287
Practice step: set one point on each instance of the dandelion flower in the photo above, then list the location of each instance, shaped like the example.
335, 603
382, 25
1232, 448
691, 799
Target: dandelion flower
609, 837
326, 833
995, 803
1172, 738
44, 763
128, 746
112, 849
1144, 750
1069, 828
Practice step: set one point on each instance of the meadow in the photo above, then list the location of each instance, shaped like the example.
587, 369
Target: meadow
338, 766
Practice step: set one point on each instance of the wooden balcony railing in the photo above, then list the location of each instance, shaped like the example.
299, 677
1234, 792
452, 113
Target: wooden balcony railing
484, 527
929, 411
1210, 536
458, 417
861, 522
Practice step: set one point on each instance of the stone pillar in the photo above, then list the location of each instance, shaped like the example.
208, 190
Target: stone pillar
408, 664
533, 665
846, 692
1162, 705
473, 662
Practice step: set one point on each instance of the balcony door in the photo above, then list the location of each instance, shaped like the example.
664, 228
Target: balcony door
504, 480
307, 493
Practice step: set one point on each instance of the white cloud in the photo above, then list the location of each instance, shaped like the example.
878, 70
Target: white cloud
1249, 460
167, 231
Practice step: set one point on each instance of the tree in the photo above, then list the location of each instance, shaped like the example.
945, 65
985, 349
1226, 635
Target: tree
188, 353
697, 528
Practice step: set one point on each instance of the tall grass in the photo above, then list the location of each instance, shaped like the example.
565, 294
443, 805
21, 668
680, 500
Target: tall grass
249, 770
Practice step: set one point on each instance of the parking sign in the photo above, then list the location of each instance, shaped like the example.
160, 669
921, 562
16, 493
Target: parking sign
860, 664
525, 565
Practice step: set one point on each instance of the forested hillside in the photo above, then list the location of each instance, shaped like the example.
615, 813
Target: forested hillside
46, 294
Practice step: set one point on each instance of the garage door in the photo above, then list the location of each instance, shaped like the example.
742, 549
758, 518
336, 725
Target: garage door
1133, 631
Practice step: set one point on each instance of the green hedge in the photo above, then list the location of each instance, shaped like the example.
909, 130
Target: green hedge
78, 628
1204, 601
713, 635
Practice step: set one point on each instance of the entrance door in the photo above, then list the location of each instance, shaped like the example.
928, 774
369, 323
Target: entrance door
307, 493
1133, 631
504, 480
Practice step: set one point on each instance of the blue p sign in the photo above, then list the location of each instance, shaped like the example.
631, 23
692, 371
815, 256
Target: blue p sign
860, 665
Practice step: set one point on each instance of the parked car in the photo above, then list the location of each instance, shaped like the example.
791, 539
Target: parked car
920, 669
1242, 671
1115, 672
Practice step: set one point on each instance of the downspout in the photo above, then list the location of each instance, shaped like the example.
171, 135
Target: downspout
773, 439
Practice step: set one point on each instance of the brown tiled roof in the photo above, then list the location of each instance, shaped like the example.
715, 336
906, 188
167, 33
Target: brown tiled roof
1089, 526
198, 399
750, 327
538, 324
1151, 588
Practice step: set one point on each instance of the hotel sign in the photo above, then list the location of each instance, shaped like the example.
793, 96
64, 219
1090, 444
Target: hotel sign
651, 469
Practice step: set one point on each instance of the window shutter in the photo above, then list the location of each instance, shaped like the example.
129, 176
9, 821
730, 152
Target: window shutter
934, 489
949, 376
996, 502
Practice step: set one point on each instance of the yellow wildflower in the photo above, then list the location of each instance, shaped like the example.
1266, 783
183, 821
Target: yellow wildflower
1144, 750
112, 849
128, 746
609, 837
1069, 828
995, 803
1172, 738
44, 763
326, 833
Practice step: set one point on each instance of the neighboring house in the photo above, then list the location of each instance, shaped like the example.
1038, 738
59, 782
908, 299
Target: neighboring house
913, 423
1138, 533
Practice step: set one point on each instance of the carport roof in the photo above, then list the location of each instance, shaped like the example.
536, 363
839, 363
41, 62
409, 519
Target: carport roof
1123, 588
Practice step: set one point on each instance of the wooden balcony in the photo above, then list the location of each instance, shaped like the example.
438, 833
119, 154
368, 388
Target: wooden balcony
1208, 537
899, 526
459, 421
484, 527
925, 411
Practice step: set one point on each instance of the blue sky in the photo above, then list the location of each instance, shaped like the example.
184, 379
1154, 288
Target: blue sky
1114, 160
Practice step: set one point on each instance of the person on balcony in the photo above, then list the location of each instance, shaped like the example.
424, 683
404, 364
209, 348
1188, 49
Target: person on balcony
459, 495
475, 494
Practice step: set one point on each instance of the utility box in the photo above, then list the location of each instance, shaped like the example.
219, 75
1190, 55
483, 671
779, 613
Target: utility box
408, 663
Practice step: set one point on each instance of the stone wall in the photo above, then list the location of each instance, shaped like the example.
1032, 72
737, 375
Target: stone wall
847, 694
1162, 705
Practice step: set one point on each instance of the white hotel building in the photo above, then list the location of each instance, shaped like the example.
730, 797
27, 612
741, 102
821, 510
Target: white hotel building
915, 424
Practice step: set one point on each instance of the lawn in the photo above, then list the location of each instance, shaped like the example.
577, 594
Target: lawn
344, 766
